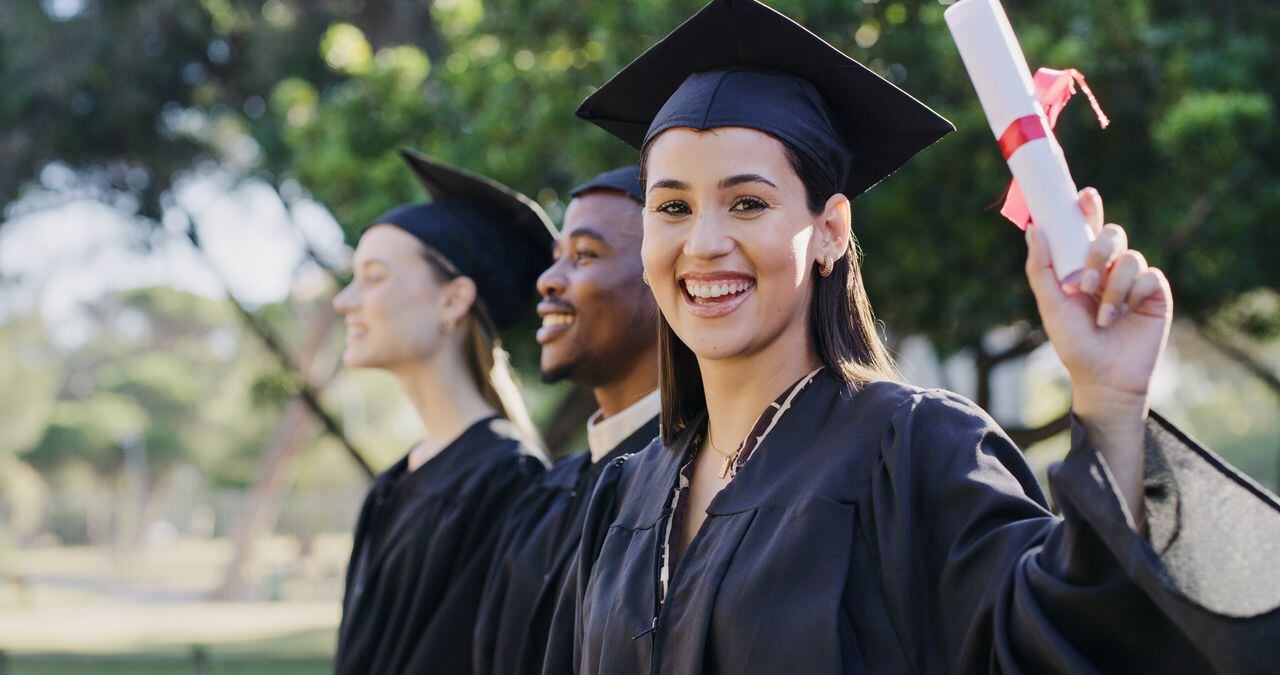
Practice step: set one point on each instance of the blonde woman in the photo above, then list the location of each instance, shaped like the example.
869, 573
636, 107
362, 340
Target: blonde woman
433, 284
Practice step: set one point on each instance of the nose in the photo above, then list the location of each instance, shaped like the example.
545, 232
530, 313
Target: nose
344, 302
552, 281
709, 238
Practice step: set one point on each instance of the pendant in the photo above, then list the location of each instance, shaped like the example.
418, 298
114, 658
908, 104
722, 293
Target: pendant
725, 466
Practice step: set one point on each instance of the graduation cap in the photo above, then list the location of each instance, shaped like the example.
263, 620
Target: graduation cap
741, 63
625, 180
498, 237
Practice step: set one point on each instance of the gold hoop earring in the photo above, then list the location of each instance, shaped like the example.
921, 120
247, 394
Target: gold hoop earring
827, 266
644, 276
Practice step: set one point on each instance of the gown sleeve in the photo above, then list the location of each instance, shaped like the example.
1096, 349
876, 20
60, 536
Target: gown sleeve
489, 614
970, 556
564, 652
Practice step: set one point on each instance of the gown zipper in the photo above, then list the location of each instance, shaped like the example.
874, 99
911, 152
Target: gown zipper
659, 596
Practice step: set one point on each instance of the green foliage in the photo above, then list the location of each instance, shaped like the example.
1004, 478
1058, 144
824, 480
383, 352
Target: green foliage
170, 386
133, 93
91, 430
32, 373
271, 390
1189, 165
1210, 132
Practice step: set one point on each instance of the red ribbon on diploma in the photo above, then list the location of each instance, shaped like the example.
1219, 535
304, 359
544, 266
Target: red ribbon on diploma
1020, 131
1053, 89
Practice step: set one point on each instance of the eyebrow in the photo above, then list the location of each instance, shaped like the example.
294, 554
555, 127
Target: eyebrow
590, 234
741, 178
724, 184
669, 183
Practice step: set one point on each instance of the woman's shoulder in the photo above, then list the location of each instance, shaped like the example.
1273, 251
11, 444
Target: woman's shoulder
936, 437
494, 454
901, 404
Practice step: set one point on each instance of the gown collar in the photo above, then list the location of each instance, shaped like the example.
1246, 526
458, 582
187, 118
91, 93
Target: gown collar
481, 443
603, 435
658, 474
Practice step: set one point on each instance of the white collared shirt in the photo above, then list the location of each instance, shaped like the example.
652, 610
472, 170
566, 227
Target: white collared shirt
605, 435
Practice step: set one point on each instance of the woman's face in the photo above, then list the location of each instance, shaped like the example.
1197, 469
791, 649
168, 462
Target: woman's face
394, 306
729, 241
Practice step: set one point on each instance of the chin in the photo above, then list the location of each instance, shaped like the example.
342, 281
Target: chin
353, 361
718, 350
360, 358
556, 370
553, 374
724, 341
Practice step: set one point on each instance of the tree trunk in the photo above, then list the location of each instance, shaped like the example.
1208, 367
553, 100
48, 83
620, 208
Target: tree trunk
986, 362
1025, 437
263, 507
308, 392
1268, 375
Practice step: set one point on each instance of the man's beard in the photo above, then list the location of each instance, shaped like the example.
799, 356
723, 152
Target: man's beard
565, 369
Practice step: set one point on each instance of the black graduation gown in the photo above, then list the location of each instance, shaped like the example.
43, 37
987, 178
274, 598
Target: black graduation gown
422, 546
538, 542
899, 530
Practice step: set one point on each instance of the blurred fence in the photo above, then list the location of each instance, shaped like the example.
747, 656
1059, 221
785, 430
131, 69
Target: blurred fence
98, 518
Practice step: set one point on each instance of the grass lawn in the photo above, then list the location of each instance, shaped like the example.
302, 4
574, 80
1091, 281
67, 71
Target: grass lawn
81, 610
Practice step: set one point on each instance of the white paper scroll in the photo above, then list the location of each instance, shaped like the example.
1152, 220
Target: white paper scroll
1002, 79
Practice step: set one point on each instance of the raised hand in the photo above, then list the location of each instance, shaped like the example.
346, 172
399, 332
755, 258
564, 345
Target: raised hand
1109, 333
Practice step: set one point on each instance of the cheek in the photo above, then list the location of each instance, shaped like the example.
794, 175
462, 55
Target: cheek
779, 254
650, 247
405, 315
798, 245
780, 262
659, 250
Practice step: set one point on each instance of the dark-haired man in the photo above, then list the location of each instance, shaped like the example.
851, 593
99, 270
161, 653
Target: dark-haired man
599, 331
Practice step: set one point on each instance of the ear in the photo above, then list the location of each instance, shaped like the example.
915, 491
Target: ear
456, 299
834, 229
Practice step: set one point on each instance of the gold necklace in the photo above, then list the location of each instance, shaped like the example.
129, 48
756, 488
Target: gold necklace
727, 465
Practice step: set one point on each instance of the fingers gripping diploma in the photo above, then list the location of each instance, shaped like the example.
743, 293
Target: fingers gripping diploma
1109, 333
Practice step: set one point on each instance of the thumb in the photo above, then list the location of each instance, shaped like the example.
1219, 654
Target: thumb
1040, 272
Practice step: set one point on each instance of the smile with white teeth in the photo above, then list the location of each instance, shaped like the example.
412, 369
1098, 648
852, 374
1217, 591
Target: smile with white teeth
703, 290
557, 320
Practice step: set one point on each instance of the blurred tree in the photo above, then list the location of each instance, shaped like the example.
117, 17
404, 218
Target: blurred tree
25, 411
130, 93
1190, 164
323, 93
162, 383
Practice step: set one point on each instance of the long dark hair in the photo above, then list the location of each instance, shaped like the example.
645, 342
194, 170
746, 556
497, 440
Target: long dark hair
841, 326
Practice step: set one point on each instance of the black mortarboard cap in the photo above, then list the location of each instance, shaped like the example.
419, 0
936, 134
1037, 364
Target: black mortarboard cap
498, 237
741, 63
625, 180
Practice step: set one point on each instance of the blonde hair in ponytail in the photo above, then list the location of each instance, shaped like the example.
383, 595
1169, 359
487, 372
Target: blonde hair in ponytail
490, 368
489, 364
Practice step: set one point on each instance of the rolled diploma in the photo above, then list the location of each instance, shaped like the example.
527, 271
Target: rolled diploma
1002, 79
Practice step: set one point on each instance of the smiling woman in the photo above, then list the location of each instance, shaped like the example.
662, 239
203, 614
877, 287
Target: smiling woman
805, 512
773, 215
433, 283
